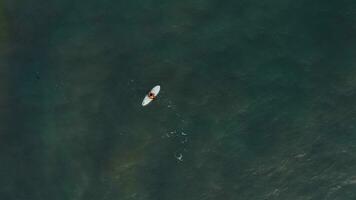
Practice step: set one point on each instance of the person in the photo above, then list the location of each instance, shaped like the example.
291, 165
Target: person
151, 95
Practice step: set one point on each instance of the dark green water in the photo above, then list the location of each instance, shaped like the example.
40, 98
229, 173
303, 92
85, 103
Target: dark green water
258, 97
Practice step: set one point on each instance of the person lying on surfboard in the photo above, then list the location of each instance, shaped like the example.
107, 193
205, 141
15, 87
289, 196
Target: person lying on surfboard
151, 95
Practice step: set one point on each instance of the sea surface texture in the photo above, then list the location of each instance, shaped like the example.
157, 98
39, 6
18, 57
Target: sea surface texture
257, 101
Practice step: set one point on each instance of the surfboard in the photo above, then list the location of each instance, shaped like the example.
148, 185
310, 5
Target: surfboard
155, 90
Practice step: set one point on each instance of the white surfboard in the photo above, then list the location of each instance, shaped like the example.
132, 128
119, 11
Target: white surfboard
155, 90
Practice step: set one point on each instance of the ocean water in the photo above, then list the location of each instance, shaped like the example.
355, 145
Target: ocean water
257, 100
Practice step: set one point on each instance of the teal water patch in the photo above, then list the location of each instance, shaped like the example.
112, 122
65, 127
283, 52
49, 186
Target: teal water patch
257, 100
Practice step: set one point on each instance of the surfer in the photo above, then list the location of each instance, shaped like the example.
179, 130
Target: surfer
151, 95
